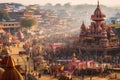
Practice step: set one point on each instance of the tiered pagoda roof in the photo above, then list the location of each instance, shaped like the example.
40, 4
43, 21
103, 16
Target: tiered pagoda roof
98, 15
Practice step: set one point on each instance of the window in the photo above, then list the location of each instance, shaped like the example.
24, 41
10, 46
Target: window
4, 24
12, 24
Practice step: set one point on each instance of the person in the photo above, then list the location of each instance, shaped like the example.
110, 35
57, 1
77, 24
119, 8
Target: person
69, 76
39, 75
27, 58
82, 74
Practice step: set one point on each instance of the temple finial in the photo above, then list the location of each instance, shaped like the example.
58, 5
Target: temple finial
98, 4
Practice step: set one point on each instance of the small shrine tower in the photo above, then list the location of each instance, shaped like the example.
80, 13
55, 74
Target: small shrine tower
74, 59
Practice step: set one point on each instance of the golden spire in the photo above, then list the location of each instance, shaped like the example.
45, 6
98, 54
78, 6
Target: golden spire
74, 55
74, 59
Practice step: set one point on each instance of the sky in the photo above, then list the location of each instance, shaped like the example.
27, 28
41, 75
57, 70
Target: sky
109, 3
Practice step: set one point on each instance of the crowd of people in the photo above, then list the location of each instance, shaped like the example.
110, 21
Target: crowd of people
103, 62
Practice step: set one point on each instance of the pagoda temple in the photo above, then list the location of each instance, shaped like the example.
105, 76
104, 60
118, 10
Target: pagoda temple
98, 37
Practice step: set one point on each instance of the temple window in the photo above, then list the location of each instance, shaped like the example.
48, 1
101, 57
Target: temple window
9, 24
12, 24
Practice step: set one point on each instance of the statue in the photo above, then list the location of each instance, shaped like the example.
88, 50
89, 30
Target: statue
74, 59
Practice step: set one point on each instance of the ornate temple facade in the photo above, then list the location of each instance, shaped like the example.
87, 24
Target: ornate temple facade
98, 36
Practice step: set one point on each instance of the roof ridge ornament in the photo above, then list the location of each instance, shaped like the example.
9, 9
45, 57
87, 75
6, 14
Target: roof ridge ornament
98, 4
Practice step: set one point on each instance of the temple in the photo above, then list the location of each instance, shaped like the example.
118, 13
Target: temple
98, 37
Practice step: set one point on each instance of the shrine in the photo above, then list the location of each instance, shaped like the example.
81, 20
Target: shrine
98, 37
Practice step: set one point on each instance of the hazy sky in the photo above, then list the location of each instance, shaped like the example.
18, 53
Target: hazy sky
73, 2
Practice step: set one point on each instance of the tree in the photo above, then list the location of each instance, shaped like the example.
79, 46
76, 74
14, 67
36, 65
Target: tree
48, 5
4, 15
58, 5
67, 5
27, 22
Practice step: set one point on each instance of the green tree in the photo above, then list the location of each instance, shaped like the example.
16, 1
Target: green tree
27, 22
58, 5
4, 15
67, 5
48, 5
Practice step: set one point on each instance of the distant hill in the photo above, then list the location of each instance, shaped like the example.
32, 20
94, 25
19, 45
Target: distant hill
83, 12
